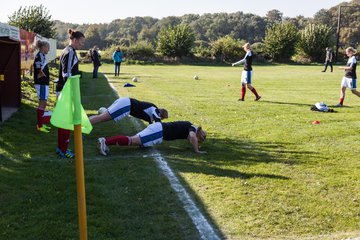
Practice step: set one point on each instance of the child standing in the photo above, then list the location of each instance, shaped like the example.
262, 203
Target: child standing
246, 76
41, 80
349, 79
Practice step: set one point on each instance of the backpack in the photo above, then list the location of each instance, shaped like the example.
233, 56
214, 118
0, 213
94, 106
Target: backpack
321, 107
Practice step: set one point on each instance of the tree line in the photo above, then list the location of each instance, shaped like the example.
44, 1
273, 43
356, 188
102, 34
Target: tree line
218, 36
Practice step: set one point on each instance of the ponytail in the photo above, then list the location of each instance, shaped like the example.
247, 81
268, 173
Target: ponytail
75, 34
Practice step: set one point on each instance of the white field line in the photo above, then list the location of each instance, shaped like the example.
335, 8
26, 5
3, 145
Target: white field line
206, 231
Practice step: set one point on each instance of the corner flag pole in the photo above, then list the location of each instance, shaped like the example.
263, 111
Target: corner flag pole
80, 180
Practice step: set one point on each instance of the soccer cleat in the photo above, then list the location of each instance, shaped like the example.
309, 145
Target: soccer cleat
240, 99
257, 98
102, 110
43, 129
338, 105
46, 127
104, 150
68, 154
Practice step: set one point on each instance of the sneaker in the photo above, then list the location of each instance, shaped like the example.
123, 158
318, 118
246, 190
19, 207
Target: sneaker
102, 110
42, 129
257, 98
68, 154
46, 127
104, 150
240, 99
338, 105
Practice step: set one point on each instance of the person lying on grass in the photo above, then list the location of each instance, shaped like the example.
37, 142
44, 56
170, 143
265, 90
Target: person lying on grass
125, 106
154, 134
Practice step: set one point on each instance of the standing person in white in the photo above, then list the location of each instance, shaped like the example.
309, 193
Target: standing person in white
41, 80
247, 73
349, 79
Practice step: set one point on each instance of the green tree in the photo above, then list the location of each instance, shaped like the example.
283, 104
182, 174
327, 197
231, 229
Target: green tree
34, 19
142, 50
300, 22
280, 41
227, 49
273, 17
175, 41
314, 39
93, 37
323, 16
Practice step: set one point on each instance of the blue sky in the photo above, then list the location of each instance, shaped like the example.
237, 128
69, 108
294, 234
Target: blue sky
104, 11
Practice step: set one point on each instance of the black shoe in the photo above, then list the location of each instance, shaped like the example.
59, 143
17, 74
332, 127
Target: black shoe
323, 71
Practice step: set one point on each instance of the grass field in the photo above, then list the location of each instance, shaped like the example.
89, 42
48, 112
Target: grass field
268, 172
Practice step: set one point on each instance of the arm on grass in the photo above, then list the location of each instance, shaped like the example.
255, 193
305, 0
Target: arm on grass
194, 142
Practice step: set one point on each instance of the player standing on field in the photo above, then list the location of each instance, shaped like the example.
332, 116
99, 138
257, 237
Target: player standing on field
41, 80
349, 79
69, 66
246, 76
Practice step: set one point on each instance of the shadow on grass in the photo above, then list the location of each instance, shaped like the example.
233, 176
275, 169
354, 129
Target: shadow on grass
300, 104
287, 103
224, 156
38, 189
126, 199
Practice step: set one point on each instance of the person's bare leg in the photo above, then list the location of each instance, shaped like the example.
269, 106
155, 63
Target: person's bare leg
135, 141
357, 93
104, 117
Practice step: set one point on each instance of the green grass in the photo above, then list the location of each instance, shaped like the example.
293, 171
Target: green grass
268, 173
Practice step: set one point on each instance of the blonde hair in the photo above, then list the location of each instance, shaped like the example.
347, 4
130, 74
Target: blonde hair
351, 49
247, 45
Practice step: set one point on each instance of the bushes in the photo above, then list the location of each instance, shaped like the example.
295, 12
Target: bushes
280, 41
142, 50
227, 49
313, 41
175, 41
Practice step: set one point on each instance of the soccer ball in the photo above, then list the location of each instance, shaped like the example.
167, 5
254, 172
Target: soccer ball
196, 77
102, 110
135, 79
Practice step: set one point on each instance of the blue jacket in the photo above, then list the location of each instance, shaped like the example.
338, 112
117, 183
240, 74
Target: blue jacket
117, 56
